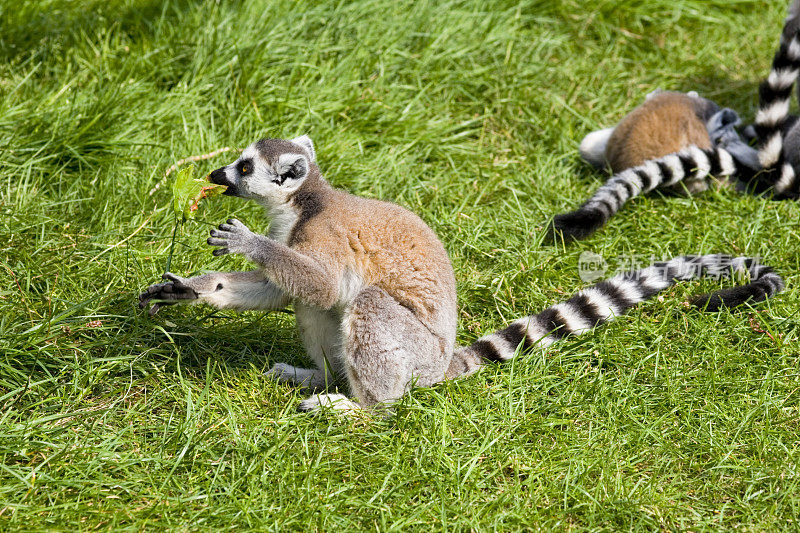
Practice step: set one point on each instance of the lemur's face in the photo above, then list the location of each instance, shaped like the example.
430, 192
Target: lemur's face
268, 170
720, 122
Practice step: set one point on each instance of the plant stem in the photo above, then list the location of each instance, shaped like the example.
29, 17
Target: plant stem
172, 244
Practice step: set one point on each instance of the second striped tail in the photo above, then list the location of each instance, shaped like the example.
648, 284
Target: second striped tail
613, 297
692, 163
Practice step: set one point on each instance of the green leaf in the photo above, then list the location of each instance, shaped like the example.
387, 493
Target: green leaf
187, 192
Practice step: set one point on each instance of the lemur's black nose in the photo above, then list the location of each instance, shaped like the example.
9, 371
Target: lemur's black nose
219, 177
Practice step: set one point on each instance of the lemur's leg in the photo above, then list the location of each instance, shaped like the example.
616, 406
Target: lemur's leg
308, 283
387, 350
301, 276
321, 332
593, 147
225, 290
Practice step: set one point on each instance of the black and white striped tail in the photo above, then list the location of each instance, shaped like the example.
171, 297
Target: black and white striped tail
775, 93
692, 163
613, 297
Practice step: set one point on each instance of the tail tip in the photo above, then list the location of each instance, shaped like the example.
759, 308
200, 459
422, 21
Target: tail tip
752, 293
710, 303
576, 225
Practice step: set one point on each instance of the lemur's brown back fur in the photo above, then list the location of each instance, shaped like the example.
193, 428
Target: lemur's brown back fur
381, 243
666, 123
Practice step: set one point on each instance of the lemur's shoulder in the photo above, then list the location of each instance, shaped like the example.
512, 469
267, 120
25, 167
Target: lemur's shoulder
379, 242
325, 212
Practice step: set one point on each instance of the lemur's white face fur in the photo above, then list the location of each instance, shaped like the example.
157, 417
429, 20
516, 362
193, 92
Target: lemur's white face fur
268, 170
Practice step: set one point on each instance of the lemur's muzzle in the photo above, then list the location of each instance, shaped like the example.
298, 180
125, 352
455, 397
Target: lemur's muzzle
220, 177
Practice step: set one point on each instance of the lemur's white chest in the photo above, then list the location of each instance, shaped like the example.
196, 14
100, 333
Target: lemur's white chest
282, 222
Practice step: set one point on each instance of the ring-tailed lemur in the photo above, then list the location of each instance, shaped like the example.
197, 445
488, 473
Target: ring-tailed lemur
666, 123
771, 169
373, 289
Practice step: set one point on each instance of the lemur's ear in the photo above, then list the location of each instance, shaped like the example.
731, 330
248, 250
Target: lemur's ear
654, 93
308, 146
291, 169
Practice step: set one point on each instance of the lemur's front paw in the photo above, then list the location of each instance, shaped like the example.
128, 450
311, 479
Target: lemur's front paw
233, 237
174, 291
721, 127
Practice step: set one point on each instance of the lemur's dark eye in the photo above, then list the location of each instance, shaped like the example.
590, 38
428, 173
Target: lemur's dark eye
245, 167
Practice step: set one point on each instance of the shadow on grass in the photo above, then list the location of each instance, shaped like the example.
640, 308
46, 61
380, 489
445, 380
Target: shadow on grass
239, 343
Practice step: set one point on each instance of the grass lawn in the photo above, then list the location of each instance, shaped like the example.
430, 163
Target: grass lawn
468, 113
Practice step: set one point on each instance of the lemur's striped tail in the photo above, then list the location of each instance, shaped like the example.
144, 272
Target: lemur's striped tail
775, 94
608, 299
692, 163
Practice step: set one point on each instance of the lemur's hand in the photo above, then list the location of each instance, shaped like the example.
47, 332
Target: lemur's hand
721, 127
174, 291
234, 237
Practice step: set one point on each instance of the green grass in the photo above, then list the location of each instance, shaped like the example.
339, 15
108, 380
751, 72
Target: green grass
468, 113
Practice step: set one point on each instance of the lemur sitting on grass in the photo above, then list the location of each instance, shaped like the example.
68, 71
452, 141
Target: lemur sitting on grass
665, 143
373, 289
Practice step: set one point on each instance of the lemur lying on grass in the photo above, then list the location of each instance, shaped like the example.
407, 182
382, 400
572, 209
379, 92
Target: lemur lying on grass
679, 142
